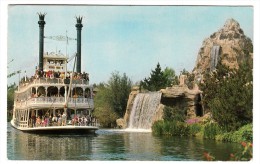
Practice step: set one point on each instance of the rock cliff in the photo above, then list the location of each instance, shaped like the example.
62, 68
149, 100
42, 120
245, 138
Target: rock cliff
130, 102
178, 95
234, 47
184, 98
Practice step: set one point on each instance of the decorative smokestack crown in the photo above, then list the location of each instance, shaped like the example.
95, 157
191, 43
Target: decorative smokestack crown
79, 19
79, 22
41, 21
41, 16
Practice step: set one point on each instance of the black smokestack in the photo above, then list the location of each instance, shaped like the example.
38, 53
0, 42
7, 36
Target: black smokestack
41, 23
79, 27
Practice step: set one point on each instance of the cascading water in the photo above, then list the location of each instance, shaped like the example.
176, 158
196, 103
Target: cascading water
144, 108
214, 56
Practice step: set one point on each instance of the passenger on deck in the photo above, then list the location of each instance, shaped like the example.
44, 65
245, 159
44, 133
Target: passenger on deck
62, 75
75, 120
63, 119
38, 121
54, 120
59, 121
33, 120
80, 121
88, 119
45, 122
84, 120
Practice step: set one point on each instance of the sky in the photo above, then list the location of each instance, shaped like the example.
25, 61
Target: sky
127, 39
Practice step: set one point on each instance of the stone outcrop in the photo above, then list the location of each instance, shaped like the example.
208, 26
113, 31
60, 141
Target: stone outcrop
130, 102
183, 97
121, 123
235, 46
179, 95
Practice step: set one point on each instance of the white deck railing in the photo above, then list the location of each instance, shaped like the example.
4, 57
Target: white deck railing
53, 81
56, 101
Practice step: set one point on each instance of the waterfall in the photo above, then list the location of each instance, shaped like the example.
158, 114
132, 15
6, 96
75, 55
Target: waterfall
144, 108
214, 56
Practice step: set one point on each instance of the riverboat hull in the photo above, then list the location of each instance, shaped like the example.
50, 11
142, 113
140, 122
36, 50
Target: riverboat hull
68, 129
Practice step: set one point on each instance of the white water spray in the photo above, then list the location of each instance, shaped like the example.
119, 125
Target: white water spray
144, 109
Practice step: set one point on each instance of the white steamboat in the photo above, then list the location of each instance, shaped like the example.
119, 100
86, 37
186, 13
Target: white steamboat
54, 100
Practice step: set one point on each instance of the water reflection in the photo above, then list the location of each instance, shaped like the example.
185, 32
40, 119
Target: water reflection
112, 145
48, 147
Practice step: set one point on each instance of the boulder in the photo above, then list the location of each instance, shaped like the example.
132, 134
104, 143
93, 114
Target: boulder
121, 123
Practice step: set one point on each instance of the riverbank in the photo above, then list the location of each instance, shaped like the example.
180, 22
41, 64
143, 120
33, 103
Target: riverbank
208, 130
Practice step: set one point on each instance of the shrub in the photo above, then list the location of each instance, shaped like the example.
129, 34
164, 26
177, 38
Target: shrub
179, 128
174, 128
245, 155
211, 130
157, 127
245, 133
174, 114
194, 129
192, 121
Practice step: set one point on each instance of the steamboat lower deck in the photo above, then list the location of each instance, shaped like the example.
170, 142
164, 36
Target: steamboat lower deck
68, 129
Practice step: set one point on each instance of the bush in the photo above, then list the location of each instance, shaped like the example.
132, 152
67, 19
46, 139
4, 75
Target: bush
194, 129
173, 113
245, 155
245, 133
157, 127
211, 130
179, 128
174, 128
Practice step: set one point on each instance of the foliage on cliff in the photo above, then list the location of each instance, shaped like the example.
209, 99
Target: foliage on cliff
10, 100
228, 94
174, 113
190, 78
111, 99
159, 79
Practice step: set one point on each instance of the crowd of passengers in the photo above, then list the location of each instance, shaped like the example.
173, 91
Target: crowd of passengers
60, 120
58, 75
52, 74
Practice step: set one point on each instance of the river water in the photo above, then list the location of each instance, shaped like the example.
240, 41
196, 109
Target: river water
109, 144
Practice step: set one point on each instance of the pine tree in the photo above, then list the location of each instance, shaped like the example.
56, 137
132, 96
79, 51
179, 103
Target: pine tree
156, 81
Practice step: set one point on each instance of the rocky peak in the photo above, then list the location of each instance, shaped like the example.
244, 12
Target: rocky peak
231, 25
234, 47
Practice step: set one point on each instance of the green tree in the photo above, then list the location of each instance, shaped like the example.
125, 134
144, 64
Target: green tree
10, 100
170, 76
103, 108
228, 93
111, 99
156, 81
190, 78
120, 88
